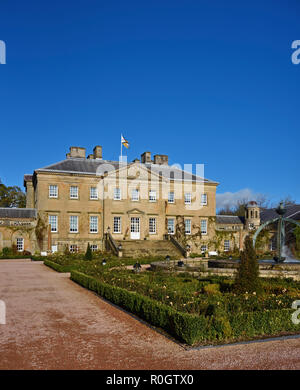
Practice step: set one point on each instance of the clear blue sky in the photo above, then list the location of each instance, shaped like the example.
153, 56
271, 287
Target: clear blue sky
203, 81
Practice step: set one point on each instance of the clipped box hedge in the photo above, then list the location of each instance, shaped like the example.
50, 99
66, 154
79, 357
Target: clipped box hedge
57, 267
189, 328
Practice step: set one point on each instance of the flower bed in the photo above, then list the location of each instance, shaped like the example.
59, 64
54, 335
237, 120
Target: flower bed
215, 327
194, 310
77, 261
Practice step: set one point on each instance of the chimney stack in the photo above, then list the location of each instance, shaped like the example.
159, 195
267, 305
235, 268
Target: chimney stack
161, 159
76, 152
146, 157
97, 151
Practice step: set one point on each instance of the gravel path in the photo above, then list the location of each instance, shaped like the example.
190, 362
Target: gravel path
52, 323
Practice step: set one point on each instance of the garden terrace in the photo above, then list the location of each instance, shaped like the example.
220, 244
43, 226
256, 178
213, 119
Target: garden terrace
196, 309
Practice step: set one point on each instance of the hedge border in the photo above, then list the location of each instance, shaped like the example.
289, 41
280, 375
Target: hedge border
57, 267
189, 328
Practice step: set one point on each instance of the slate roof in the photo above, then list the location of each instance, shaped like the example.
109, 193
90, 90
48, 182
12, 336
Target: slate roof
230, 219
93, 167
292, 212
7, 212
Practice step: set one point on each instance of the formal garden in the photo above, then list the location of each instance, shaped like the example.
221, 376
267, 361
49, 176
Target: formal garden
195, 310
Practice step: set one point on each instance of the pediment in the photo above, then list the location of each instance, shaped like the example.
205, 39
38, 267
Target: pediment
135, 211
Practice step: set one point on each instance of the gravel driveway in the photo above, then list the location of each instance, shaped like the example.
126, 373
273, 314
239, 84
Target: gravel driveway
52, 323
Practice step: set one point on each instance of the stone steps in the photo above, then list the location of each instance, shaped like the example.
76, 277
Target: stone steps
145, 248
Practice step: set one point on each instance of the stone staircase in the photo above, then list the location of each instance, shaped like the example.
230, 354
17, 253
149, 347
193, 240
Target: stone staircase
145, 248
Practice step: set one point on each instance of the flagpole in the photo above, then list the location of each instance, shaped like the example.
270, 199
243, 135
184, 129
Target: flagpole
121, 149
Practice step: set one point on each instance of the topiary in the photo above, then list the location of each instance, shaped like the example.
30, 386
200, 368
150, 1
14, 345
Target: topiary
88, 254
247, 276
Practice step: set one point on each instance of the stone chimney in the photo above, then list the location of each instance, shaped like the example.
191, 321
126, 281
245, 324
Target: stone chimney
146, 157
97, 151
161, 159
76, 152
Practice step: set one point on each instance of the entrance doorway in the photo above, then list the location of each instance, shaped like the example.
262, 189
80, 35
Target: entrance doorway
135, 228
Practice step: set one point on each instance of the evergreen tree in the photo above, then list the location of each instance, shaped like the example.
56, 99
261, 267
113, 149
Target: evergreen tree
247, 277
66, 250
88, 254
12, 196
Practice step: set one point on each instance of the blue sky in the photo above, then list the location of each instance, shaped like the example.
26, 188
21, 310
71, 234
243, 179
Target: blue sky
207, 82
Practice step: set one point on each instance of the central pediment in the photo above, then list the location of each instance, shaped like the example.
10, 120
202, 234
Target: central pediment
135, 211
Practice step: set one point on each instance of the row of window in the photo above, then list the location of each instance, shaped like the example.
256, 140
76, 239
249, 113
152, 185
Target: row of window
74, 192
53, 222
117, 225
135, 195
73, 219
94, 248
117, 229
227, 246
74, 248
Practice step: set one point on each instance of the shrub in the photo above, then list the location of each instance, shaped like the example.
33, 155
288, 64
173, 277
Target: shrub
218, 323
188, 328
57, 267
211, 289
66, 251
247, 276
7, 251
88, 254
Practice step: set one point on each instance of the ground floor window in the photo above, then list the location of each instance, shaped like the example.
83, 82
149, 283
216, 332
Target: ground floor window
203, 248
117, 224
20, 244
171, 226
93, 224
53, 223
203, 226
94, 248
152, 225
188, 226
73, 248
73, 223
226, 245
